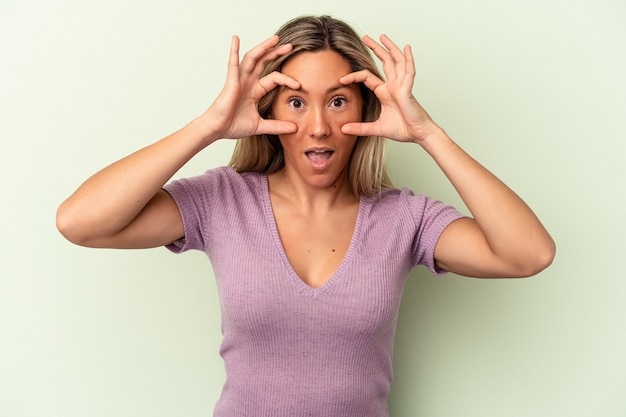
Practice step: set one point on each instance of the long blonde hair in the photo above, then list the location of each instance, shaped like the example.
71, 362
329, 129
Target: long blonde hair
367, 172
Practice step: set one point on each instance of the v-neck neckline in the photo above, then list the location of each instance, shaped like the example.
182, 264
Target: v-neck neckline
303, 287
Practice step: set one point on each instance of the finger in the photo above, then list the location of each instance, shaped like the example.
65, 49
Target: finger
254, 61
382, 54
360, 129
366, 77
410, 66
269, 56
398, 56
274, 79
233, 59
378, 50
276, 127
393, 49
253, 55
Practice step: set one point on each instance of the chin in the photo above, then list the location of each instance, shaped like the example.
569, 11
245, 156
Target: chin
324, 181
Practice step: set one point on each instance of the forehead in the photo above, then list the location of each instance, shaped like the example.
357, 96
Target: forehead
317, 69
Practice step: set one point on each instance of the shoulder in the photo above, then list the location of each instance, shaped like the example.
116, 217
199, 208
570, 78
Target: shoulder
397, 198
405, 205
229, 178
220, 179
218, 188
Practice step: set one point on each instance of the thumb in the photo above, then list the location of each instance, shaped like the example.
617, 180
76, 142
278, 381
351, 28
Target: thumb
276, 127
359, 129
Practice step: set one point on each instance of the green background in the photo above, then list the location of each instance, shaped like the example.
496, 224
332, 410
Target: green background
534, 89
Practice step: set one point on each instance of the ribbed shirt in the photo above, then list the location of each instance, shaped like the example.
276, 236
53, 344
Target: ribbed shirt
289, 349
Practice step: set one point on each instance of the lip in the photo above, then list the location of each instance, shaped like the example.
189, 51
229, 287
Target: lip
319, 157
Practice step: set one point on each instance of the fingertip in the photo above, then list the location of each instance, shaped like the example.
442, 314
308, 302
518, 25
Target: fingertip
348, 129
234, 41
234, 51
279, 127
292, 83
288, 128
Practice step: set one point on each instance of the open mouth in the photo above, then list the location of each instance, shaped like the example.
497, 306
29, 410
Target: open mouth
319, 155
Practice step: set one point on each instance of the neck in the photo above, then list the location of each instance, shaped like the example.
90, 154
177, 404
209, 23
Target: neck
308, 197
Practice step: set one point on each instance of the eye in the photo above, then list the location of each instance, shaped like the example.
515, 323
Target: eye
295, 102
338, 102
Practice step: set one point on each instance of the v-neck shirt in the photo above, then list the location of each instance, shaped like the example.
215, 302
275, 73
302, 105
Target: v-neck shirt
290, 349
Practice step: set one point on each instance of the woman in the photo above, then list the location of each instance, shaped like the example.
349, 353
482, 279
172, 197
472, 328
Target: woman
309, 241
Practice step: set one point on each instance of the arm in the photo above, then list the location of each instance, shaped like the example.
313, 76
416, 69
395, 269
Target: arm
124, 206
504, 238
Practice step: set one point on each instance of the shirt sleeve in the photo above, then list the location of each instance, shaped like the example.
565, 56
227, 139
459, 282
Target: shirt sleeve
431, 217
192, 196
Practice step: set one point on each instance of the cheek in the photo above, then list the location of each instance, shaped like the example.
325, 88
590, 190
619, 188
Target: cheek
355, 111
349, 117
280, 113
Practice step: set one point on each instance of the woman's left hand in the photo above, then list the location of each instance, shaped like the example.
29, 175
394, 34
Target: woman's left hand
505, 238
402, 118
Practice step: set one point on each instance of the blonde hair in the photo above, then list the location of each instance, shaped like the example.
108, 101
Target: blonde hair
367, 172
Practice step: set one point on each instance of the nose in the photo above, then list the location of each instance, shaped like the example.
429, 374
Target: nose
318, 124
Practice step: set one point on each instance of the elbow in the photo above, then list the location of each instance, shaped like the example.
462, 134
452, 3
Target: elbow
545, 256
64, 224
69, 226
539, 259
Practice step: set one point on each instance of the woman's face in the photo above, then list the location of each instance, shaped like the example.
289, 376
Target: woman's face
318, 152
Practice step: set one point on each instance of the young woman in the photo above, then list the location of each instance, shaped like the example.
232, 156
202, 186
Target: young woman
309, 241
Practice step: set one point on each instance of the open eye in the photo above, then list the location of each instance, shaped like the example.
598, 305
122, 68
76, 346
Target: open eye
338, 102
296, 103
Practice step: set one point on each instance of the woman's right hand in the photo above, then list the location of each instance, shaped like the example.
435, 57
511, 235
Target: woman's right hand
234, 112
123, 205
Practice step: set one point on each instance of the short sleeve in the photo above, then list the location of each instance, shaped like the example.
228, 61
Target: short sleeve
192, 196
431, 217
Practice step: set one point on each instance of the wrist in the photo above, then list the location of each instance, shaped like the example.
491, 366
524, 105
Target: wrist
203, 130
436, 141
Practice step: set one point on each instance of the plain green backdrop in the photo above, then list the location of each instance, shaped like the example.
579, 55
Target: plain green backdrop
534, 89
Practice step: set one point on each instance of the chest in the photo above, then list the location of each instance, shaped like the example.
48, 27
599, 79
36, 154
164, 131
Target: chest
316, 246
262, 290
260, 263
266, 297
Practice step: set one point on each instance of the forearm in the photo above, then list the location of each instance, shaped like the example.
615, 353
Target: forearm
512, 231
504, 238
110, 199
123, 206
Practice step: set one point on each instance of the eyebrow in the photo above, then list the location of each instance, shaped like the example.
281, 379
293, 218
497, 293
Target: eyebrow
305, 91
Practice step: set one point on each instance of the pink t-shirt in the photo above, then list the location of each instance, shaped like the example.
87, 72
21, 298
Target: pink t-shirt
289, 349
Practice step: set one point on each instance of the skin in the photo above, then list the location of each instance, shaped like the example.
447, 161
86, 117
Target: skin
123, 206
314, 207
319, 108
504, 238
